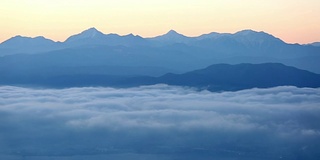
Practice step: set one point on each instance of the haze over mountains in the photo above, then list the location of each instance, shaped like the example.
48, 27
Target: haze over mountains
92, 53
246, 95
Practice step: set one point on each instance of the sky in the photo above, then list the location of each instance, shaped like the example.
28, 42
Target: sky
294, 21
158, 121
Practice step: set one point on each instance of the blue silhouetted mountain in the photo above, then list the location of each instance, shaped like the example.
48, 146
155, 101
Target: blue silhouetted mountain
170, 38
246, 42
172, 51
316, 44
94, 37
258, 40
214, 78
211, 35
20, 44
90, 36
253, 37
243, 76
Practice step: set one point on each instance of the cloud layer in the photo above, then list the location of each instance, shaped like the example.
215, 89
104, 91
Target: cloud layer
167, 120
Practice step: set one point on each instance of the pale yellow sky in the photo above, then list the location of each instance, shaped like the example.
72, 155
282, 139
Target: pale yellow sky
294, 21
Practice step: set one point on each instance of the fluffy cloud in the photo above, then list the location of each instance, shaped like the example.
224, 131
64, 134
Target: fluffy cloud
160, 119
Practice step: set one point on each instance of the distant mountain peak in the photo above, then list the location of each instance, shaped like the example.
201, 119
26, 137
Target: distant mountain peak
172, 36
18, 36
172, 32
248, 32
210, 35
251, 33
256, 37
40, 37
130, 35
92, 29
91, 33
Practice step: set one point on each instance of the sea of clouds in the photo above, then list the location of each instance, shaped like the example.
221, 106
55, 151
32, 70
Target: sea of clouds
159, 122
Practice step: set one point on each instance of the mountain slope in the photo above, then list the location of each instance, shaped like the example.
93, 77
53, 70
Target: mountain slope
243, 76
93, 37
214, 78
171, 37
316, 44
20, 44
89, 36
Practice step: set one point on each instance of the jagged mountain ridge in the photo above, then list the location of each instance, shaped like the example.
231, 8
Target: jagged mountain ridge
92, 36
169, 52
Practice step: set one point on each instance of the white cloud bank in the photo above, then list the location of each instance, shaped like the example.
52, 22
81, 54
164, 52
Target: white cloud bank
160, 119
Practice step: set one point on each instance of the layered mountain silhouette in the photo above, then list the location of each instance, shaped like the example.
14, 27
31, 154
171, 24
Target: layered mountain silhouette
94, 58
93, 37
216, 77
172, 52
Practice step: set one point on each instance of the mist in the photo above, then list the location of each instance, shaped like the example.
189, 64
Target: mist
159, 122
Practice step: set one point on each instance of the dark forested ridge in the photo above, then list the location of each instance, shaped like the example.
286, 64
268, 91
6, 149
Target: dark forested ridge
215, 78
244, 76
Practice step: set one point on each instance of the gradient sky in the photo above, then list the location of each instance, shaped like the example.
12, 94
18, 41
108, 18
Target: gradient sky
294, 21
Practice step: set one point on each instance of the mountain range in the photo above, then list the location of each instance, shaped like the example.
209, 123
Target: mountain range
92, 54
92, 37
169, 52
217, 77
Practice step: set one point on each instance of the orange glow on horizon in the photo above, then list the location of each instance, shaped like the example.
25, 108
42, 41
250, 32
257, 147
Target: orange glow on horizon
290, 20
